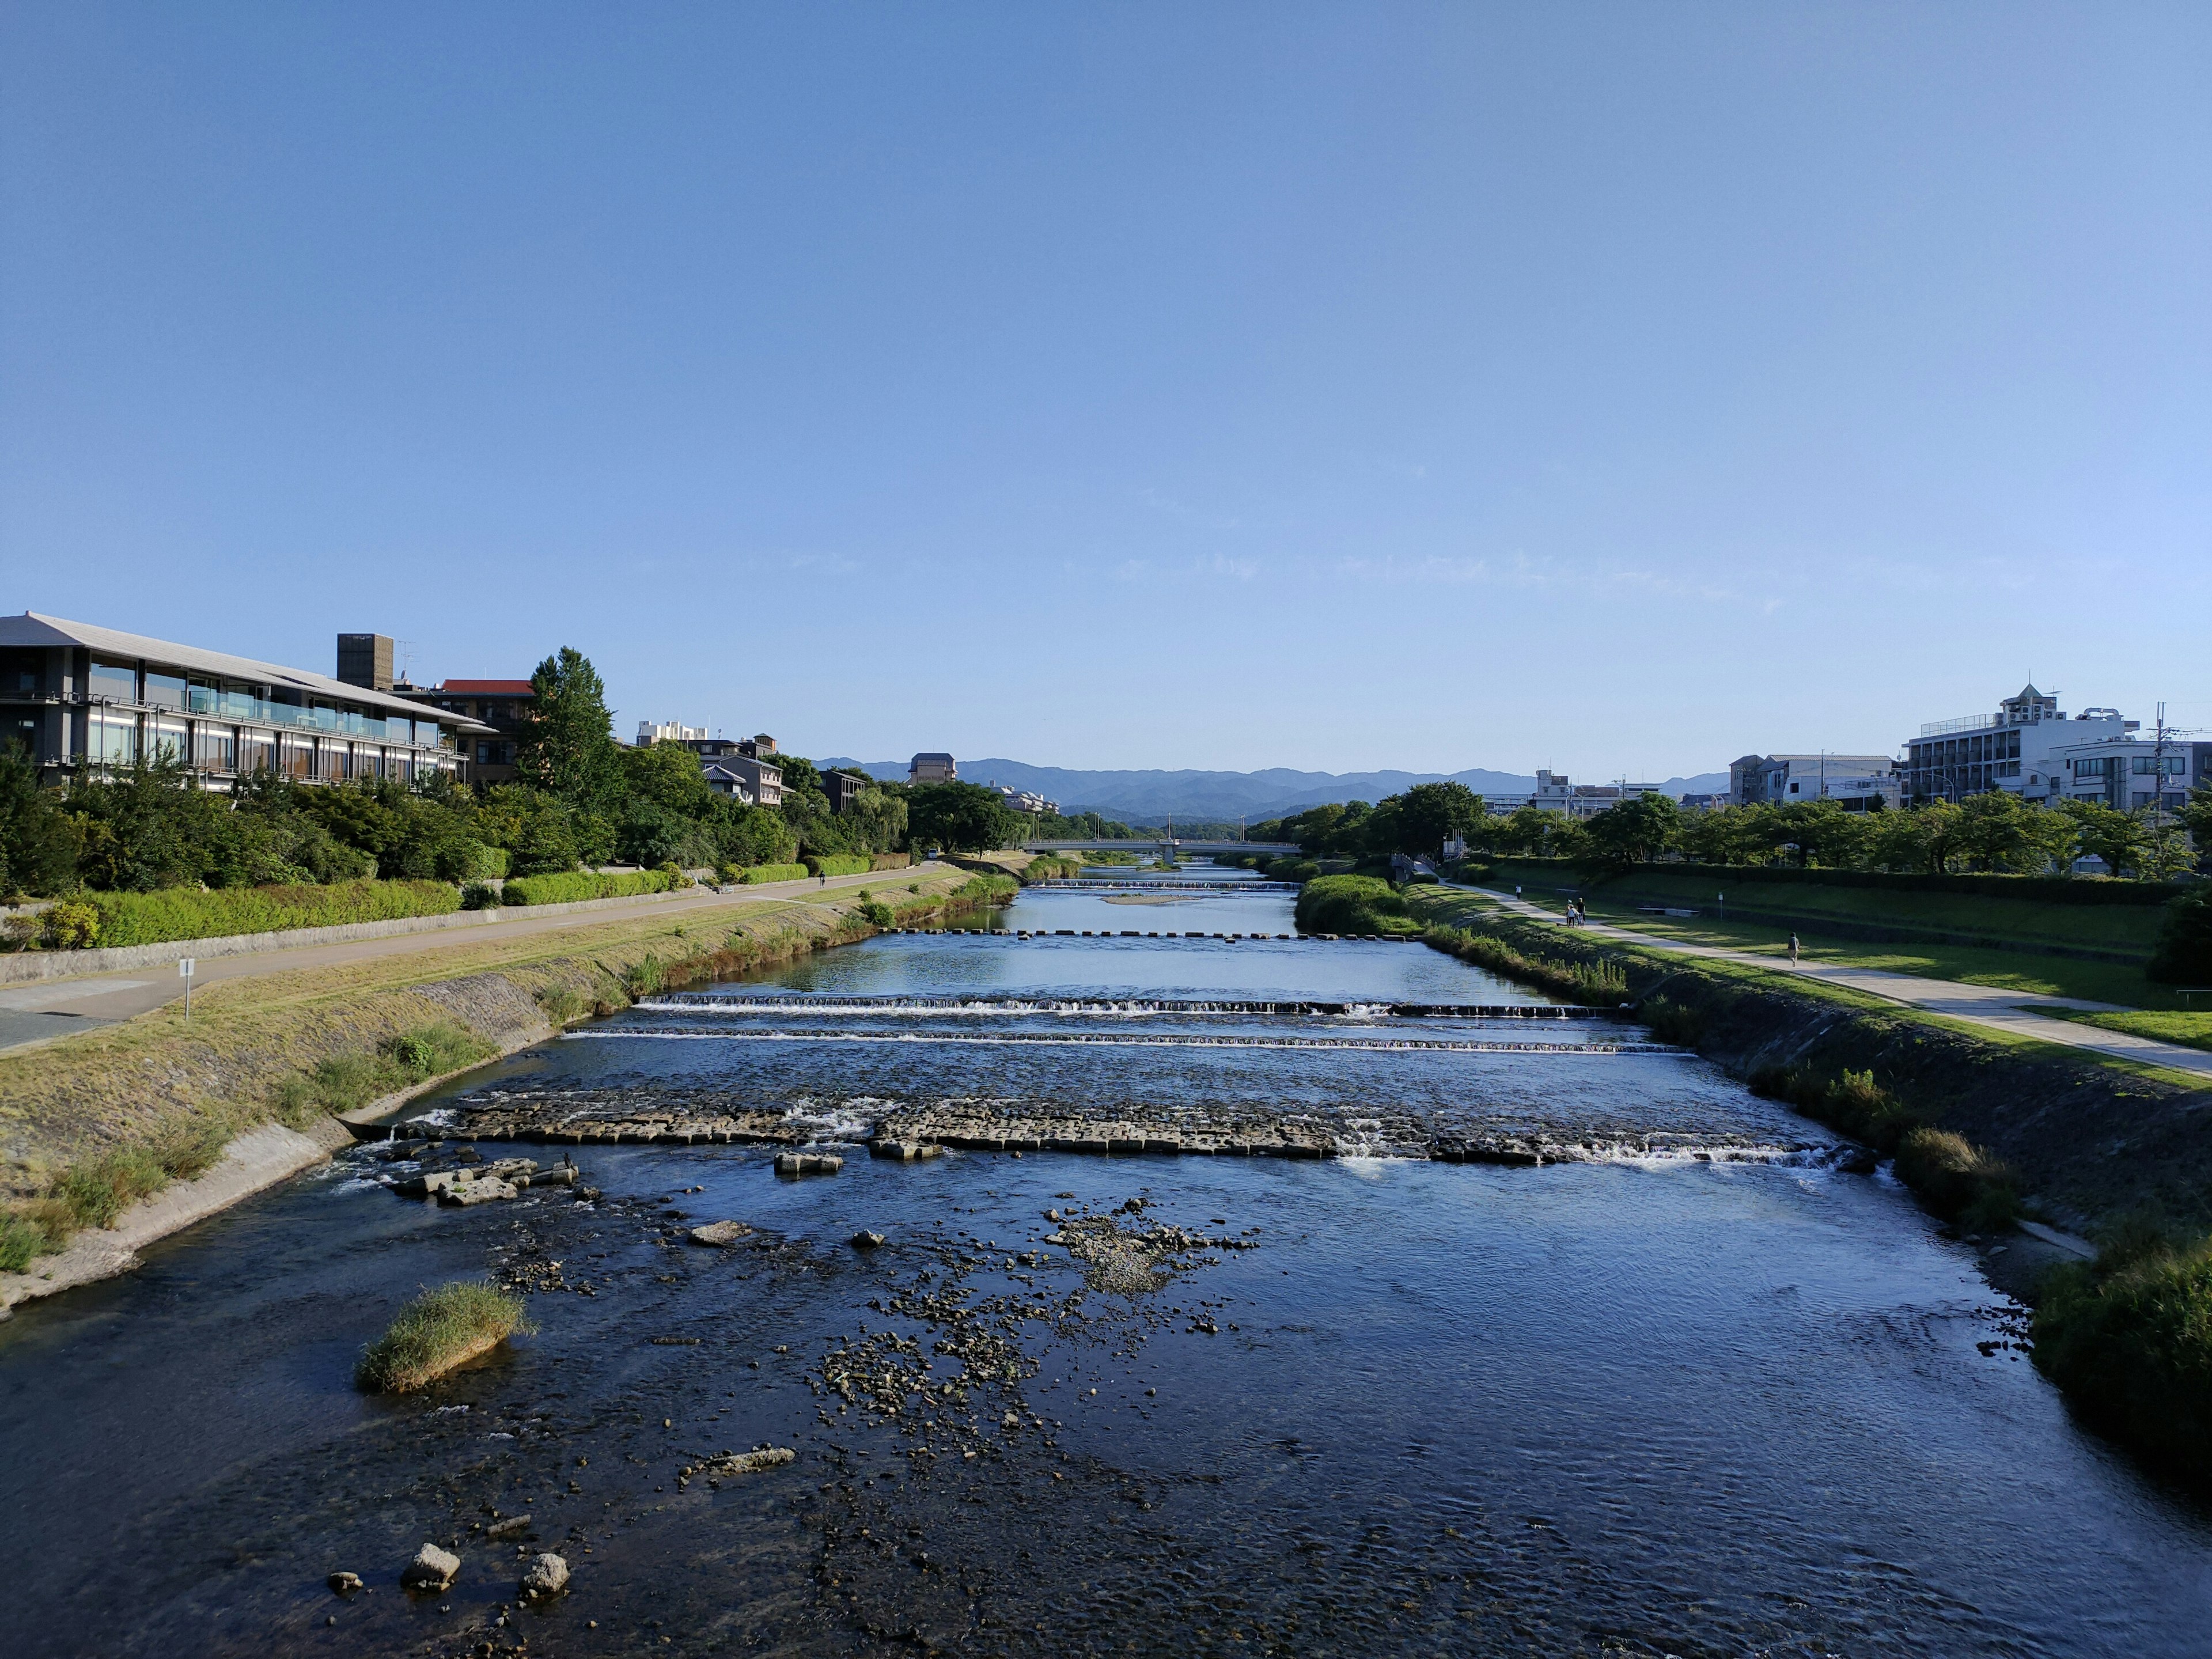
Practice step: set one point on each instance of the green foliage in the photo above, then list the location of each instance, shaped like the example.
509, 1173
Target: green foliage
961, 817
1051, 867
761, 873
1429, 814
568, 749
70, 925
575, 886
1636, 831
181, 913
878, 914
1351, 904
2183, 955
37, 842
21, 1239
1290, 869
2129, 1338
1597, 981
436, 1331
479, 896
840, 864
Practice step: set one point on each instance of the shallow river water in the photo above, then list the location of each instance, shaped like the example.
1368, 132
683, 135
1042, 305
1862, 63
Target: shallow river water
1690, 1389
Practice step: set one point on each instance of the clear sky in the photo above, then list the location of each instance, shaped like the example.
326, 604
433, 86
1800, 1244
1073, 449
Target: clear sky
1614, 388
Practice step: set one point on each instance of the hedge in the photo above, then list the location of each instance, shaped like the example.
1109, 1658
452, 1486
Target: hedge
2048, 890
840, 864
183, 913
761, 873
889, 861
580, 884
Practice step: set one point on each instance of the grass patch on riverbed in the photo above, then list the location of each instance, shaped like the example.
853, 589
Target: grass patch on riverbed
437, 1331
1352, 904
2129, 1338
346, 1083
1598, 984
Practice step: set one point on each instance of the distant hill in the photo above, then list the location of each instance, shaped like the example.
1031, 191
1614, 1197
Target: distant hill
1155, 796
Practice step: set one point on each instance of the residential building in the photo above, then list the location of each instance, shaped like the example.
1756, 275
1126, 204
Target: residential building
80, 697
932, 769
2130, 774
1022, 800
1857, 782
756, 782
500, 710
2017, 750
1703, 803
843, 787
650, 731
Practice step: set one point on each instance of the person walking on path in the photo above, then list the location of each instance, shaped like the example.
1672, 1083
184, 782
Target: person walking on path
1793, 950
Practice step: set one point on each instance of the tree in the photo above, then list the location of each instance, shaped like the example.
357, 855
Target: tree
1430, 814
961, 817
2197, 817
2183, 955
669, 775
2105, 832
568, 747
37, 845
1635, 831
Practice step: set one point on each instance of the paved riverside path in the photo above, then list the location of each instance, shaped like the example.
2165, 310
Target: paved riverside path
2012, 1012
57, 1008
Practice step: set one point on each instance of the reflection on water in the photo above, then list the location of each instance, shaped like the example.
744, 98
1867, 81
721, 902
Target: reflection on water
1380, 1406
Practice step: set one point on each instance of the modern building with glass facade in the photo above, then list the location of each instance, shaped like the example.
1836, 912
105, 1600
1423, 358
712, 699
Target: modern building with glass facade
84, 697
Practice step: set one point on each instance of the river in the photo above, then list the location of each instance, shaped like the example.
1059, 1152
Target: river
1687, 1387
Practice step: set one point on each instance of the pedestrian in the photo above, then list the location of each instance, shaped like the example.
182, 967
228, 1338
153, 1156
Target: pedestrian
1793, 950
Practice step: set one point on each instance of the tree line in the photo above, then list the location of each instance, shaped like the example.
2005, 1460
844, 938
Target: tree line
580, 797
1993, 832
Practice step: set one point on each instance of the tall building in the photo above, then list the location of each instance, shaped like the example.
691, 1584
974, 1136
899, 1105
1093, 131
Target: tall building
82, 696
932, 769
500, 710
1858, 783
2017, 749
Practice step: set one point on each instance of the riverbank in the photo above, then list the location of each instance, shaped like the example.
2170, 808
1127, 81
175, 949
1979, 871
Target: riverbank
86, 1123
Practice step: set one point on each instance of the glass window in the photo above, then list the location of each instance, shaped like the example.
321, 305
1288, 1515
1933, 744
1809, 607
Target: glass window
112, 682
257, 749
296, 755
215, 748
163, 689
111, 738
167, 738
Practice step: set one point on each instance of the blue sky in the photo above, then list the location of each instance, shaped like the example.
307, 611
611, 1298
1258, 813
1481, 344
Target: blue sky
1617, 389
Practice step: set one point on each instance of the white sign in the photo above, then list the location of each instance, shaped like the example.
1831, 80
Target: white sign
184, 966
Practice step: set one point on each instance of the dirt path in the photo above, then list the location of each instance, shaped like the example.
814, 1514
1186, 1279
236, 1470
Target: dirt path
47, 1012
2013, 1013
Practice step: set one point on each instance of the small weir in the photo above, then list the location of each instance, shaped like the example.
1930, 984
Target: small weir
709, 1002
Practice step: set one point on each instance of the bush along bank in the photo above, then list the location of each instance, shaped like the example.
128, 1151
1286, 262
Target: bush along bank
161, 918
575, 886
1597, 983
1981, 1133
760, 873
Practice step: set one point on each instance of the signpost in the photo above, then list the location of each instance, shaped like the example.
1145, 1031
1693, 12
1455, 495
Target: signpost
184, 966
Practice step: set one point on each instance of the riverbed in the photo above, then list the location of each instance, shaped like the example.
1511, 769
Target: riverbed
1680, 1384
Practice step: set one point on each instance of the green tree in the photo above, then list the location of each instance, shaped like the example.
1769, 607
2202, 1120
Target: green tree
1430, 814
961, 817
568, 747
2100, 831
669, 775
1635, 831
37, 843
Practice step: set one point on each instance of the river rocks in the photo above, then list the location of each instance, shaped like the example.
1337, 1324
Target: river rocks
547, 1575
905, 1151
514, 1527
345, 1583
720, 1233
432, 1570
752, 1462
484, 1189
808, 1164
865, 1240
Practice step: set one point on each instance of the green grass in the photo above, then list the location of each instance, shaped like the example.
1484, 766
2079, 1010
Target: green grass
2192, 1029
346, 1083
435, 1332
2019, 968
1351, 904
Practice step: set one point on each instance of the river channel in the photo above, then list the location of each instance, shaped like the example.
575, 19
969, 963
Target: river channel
1682, 1385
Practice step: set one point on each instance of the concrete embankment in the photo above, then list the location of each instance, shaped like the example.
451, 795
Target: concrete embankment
65, 1105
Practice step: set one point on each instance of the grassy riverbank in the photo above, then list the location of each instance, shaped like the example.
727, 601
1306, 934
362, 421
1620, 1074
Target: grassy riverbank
91, 1123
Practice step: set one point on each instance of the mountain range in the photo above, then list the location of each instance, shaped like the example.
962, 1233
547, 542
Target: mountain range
1224, 797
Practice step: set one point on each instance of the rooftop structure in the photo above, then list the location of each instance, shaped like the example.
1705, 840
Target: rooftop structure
651, 732
80, 696
932, 769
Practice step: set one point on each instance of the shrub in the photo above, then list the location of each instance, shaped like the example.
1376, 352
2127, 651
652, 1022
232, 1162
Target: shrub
1351, 904
889, 861
765, 873
71, 925
561, 1004
728, 875
1953, 1178
346, 1083
1599, 982
2129, 1340
1670, 1022
574, 887
187, 913
877, 912
643, 979
838, 864
479, 896
21, 1238
2183, 955
437, 1331
677, 881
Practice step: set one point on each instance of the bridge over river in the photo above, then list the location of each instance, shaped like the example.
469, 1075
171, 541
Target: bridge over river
1235, 850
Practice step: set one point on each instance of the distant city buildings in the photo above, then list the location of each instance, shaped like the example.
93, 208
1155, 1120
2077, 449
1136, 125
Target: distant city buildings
651, 732
1858, 783
2030, 749
932, 769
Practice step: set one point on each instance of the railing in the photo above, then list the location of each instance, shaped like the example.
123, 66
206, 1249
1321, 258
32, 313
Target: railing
1964, 723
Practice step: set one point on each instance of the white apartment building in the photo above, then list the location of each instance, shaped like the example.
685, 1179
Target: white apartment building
651, 732
2129, 774
1857, 782
2024, 749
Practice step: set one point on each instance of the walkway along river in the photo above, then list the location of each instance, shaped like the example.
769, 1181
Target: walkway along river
1680, 1383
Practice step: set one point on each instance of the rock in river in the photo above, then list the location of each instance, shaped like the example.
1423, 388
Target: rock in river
432, 1569
548, 1575
865, 1240
345, 1583
720, 1232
